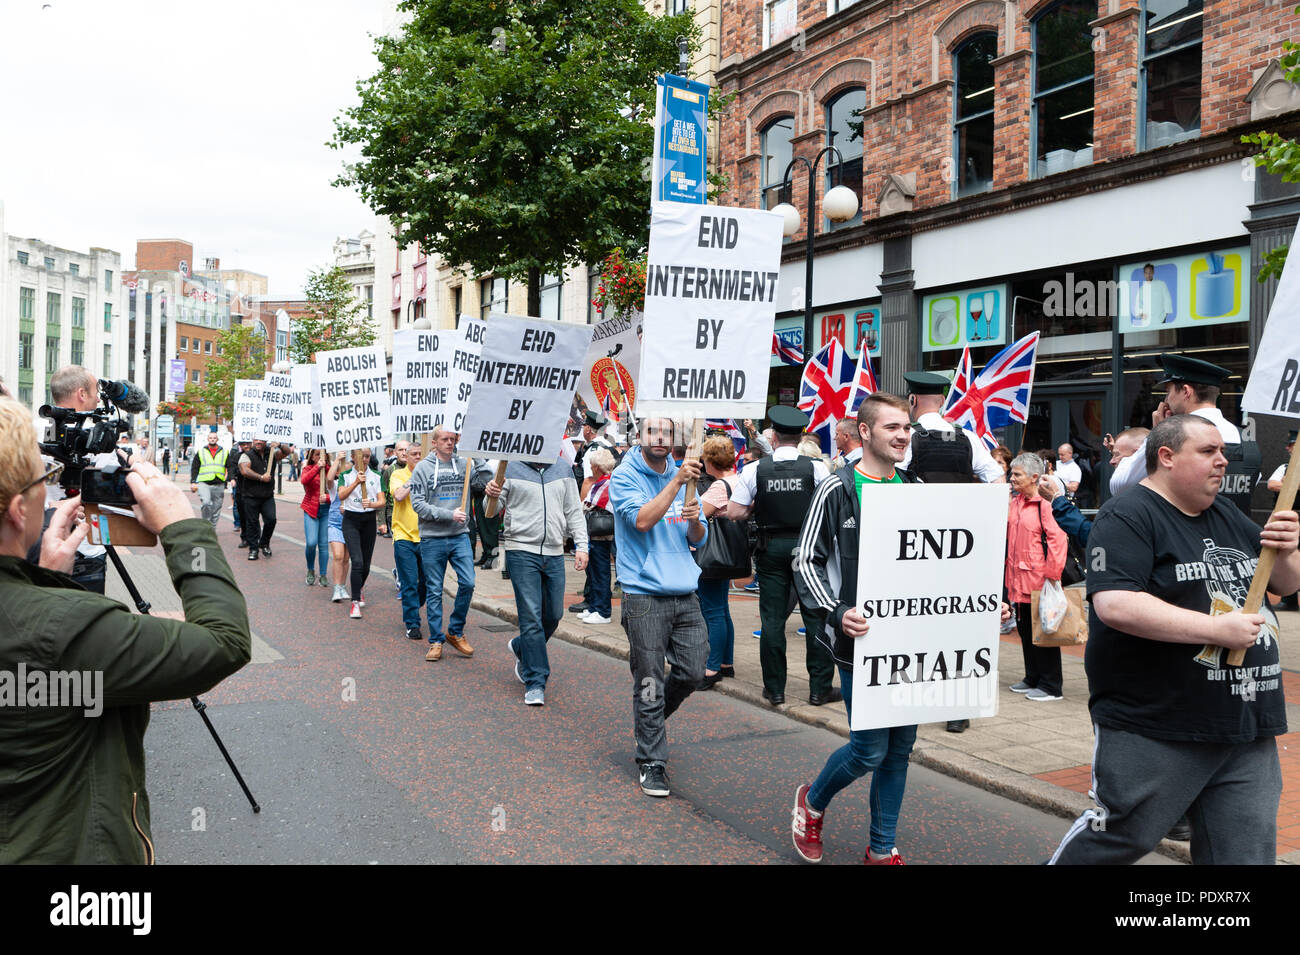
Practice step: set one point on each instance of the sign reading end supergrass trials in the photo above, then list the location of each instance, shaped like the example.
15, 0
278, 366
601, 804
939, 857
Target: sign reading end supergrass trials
527, 375
930, 585
710, 305
353, 385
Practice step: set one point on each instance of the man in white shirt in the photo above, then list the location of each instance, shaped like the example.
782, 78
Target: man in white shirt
1192, 387
1067, 469
925, 397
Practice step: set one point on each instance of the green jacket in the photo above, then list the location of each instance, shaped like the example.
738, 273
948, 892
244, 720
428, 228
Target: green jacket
72, 784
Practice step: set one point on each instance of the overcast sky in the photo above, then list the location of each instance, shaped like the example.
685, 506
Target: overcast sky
130, 119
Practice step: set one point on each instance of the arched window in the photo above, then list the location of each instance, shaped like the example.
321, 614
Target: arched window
844, 132
973, 114
774, 144
1063, 87
1171, 71
259, 329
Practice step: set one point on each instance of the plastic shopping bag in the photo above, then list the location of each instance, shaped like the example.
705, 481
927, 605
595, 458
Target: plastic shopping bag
1052, 606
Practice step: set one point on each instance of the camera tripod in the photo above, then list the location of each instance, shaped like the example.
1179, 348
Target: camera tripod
143, 606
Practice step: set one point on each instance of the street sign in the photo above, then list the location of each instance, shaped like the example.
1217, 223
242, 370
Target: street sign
164, 424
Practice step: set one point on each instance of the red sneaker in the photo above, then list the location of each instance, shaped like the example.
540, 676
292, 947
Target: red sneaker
894, 858
805, 828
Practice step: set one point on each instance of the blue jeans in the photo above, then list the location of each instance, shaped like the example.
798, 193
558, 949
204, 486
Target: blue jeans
316, 530
717, 615
410, 574
598, 576
436, 553
539, 596
883, 753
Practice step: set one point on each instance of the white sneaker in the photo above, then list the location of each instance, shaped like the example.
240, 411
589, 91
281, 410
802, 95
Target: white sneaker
339, 593
356, 611
595, 619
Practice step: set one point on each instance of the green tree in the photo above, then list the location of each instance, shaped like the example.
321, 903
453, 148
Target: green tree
1280, 156
335, 318
513, 137
241, 353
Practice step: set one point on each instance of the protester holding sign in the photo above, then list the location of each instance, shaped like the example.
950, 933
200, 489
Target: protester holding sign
1179, 730
338, 546
359, 522
257, 465
436, 487
655, 529
406, 538
316, 515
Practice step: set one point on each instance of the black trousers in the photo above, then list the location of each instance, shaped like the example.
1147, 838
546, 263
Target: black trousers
359, 535
1042, 664
259, 509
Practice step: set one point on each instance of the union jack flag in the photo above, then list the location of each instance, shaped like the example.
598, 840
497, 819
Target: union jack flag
729, 428
998, 395
864, 381
789, 354
824, 390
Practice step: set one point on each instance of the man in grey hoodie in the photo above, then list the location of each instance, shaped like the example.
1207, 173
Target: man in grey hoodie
541, 508
436, 485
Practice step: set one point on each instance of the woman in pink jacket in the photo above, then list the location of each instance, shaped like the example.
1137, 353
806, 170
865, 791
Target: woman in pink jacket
1030, 562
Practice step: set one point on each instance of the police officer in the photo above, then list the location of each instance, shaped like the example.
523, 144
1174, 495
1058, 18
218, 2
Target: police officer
778, 490
208, 478
936, 454
1192, 387
941, 453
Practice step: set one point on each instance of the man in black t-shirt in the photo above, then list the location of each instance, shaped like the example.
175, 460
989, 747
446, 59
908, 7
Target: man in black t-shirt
1178, 729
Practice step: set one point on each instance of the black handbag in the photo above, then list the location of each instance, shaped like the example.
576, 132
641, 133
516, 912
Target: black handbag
725, 554
600, 522
1074, 571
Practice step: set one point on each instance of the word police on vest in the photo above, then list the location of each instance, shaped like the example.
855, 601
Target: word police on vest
74, 908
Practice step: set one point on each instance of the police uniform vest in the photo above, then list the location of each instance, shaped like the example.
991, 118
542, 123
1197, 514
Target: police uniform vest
212, 468
258, 463
1239, 477
784, 494
941, 457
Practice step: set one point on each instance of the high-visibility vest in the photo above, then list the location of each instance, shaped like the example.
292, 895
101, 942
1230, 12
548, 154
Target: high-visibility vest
212, 468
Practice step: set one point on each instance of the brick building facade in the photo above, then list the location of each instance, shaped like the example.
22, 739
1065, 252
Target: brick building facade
1019, 164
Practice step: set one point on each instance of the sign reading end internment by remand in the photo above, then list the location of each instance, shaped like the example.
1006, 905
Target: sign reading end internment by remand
930, 574
527, 375
307, 432
353, 385
1274, 383
710, 306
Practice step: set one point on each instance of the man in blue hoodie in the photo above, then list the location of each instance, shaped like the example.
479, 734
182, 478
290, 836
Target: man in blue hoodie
655, 529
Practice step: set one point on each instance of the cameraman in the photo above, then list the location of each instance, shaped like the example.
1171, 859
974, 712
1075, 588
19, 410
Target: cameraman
74, 770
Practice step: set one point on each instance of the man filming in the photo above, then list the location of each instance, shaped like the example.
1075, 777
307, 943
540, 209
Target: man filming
74, 768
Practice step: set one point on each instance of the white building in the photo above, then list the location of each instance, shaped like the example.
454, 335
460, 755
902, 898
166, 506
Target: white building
356, 257
57, 307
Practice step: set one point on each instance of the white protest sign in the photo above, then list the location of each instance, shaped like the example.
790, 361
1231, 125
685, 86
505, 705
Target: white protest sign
468, 338
421, 378
307, 431
527, 375
275, 422
930, 571
353, 386
612, 360
1274, 383
710, 307
247, 415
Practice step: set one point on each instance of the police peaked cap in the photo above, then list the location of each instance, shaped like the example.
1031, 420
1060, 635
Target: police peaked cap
925, 383
787, 420
1191, 371
596, 419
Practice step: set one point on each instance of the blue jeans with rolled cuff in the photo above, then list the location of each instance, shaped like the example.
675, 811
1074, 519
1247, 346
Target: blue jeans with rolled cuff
436, 553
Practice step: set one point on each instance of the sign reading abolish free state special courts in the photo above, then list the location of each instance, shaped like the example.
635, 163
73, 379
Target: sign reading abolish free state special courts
527, 375
710, 305
275, 423
353, 384
930, 585
247, 415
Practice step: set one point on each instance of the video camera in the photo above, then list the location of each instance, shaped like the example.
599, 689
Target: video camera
76, 437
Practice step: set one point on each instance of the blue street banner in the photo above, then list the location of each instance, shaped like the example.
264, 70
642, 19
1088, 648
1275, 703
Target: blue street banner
681, 132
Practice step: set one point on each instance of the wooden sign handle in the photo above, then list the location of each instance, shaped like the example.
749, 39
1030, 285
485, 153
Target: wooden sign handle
491, 506
464, 491
1268, 556
358, 464
697, 438
425, 441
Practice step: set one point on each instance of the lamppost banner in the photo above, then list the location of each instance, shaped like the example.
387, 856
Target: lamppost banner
710, 304
680, 168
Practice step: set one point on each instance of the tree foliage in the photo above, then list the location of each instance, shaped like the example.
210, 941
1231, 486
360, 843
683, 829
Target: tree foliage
1280, 156
514, 137
336, 318
240, 353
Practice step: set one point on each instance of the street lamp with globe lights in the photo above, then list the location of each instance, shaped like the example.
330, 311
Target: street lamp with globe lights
840, 205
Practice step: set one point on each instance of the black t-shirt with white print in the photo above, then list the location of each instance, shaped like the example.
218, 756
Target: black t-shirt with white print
1143, 544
